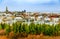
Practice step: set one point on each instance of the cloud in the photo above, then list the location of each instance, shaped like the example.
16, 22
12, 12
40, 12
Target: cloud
29, 1
41, 1
36, 1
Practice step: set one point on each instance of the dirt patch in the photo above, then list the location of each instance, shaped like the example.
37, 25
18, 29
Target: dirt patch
34, 37
4, 37
2, 32
40, 37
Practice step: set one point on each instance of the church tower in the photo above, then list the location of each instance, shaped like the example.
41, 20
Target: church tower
6, 10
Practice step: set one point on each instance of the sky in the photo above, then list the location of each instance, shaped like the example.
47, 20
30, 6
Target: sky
31, 5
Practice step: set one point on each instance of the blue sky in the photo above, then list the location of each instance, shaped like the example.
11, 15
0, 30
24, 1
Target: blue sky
31, 5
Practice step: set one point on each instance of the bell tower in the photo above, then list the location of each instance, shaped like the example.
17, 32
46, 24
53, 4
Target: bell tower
6, 10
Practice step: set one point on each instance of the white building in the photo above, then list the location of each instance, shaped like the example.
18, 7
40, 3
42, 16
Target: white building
39, 18
18, 18
8, 15
55, 19
0, 20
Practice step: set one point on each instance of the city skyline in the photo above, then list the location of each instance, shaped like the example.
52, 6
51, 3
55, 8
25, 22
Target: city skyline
31, 5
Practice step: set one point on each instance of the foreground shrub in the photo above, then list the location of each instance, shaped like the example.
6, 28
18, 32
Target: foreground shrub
3, 25
32, 28
57, 29
0, 27
7, 29
23, 29
38, 29
26, 28
15, 28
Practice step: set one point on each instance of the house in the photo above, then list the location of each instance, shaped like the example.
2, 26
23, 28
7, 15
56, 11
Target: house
8, 15
32, 17
9, 18
46, 19
0, 20
39, 18
18, 18
55, 19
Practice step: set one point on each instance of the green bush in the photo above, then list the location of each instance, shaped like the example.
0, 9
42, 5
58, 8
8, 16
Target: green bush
0, 27
57, 29
20, 28
7, 28
26, 28
38, 28
48, 29
3, 25
32, 28
15, 28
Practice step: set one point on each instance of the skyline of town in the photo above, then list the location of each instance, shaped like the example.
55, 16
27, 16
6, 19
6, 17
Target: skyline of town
31, 5
7, 9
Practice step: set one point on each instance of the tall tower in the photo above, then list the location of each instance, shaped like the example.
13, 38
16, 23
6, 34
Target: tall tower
6, 10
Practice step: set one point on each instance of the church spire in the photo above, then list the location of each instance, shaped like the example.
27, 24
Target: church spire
6, 9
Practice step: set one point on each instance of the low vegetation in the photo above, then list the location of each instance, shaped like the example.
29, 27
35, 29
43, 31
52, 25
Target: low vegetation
20, 29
